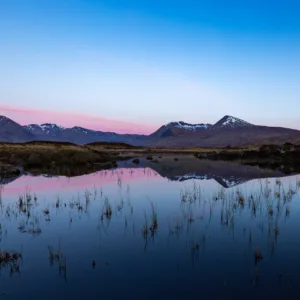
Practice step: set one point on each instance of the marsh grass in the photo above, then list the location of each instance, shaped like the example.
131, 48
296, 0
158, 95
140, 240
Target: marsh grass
87, 196
10, 260
176, 229
190, 195
221, 194
145, 228
95, 193
46, 211
287, 211
241, 198
194, 246
58, 202
263, 206
257, 256
56, 256
78, 204
119, 181
154, 221
25, 201
107, 209
120, 205
271, 201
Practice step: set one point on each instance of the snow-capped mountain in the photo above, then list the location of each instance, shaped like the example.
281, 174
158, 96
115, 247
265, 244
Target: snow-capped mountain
82, 130
77, 134
179, 128
45, 129
187, 126
228, 130
231, 122
51, 129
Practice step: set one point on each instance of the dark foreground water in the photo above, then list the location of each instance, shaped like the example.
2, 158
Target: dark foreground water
133, 234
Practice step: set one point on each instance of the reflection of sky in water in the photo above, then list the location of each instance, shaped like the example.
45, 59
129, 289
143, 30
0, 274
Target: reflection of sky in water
167, 266
46, 183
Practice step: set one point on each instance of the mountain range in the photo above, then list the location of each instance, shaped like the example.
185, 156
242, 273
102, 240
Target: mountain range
228, 130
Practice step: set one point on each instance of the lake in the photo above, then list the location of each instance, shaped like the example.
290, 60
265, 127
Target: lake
180, 230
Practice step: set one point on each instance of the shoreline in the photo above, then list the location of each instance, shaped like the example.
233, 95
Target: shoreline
67, 158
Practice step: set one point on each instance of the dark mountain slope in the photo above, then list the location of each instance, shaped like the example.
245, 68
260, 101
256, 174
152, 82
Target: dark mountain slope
12, 132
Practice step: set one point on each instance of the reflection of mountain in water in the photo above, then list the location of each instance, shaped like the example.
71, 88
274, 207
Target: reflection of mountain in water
57, 172
7, 180
225, 182
227, 174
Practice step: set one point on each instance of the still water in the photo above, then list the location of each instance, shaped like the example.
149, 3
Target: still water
131, 233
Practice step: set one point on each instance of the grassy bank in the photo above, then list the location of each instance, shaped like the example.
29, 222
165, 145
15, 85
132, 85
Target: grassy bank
47, 156
285, 157
66, 158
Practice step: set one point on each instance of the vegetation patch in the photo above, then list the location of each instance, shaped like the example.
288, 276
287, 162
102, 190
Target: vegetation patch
49, 156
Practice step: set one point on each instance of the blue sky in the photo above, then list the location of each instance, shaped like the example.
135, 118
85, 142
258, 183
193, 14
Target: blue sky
151, 62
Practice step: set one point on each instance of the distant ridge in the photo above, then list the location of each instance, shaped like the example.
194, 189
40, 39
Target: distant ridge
228, 130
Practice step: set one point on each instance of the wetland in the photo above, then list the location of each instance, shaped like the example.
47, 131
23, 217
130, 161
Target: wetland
160, 228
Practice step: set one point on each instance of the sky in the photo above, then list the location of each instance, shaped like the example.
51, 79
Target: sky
134, 65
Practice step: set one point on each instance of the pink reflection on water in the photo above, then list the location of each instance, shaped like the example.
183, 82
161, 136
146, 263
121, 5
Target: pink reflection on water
42, 183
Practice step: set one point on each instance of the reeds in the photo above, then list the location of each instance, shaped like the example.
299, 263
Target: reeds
11, 260
264, 206
145, 228
154, 222
190, 195
257, 256
152, 228
9, 257
107, 208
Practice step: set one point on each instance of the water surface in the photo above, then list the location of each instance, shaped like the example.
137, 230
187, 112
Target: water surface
143, 233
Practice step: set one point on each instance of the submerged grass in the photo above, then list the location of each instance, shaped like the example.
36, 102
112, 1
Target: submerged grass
227, 207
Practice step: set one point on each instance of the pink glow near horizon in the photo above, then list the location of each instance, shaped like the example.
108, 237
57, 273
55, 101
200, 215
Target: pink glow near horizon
26, 116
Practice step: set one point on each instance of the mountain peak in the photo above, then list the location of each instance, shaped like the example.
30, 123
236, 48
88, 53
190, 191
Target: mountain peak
231, 122
46, 128
79, 129
51, 125
187, 126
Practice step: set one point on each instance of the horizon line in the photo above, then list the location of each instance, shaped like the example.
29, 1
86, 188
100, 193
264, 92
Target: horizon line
22, 115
